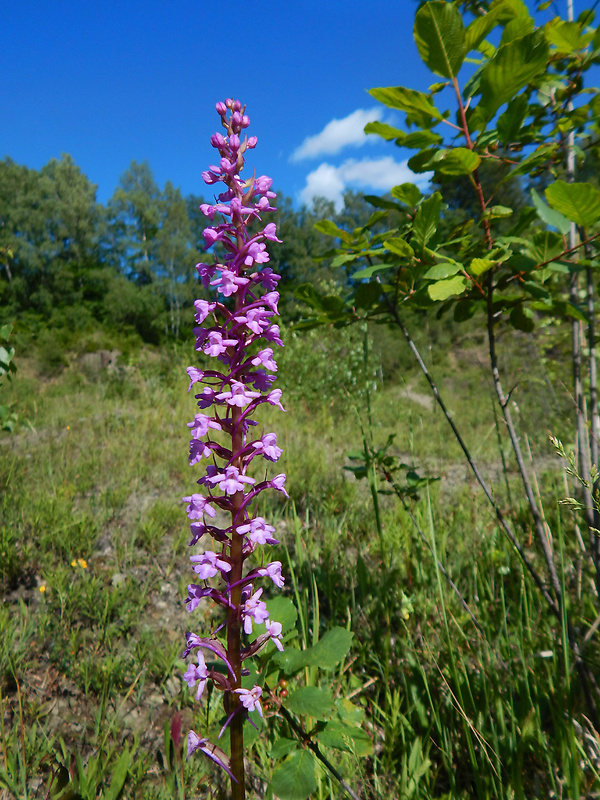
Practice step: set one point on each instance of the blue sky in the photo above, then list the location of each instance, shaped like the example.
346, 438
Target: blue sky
108, 82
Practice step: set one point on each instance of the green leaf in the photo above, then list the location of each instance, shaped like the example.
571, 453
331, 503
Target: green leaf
399, 247
119, 776
521, 318
418, 139
381, 202
367, 295
513, 66
368, 272
5, 331
283, 747
332, 648
407, 193
455, 161
579, 202
333, 737
477, 31
511, 121
311, 701
282, 609
423, 160
441, 271
295, 779
427, 219
464, 310
480, 265
565, 36
418, 106
498, 212
549, 215
538, 158
329, 228
440, 36
442, 290
384, 130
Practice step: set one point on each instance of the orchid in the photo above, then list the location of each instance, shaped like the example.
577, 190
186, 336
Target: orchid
236, 328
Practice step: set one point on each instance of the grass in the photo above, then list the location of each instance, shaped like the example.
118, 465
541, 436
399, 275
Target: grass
93, 573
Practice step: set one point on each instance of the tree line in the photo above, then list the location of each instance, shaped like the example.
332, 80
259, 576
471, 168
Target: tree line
130, 263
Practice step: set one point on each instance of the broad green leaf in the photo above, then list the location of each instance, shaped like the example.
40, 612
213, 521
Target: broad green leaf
384, 130
498, 212
282, 609
565, 36
549, 215
283, 747
311, 701
513, 66
333, 737
423, 160
456, 161
418, 106
427, 219
464, 310
544, 246
367, 295
295, 779
399, 247
441, 271
542, 155
344, 258
579, 202
332, 648
440, 36
419, 139
381, 202
521, 318
368, 272
442, 290
407, 193
5, 331
510, 122
480, 265
481, 26
329, 228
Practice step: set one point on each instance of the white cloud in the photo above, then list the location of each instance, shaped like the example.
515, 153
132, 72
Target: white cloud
337, 134
379, 174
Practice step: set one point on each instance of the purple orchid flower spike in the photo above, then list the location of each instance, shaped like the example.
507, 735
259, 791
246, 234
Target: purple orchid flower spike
235, 327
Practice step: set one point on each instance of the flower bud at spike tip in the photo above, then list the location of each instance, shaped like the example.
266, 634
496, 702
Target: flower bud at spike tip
235, 327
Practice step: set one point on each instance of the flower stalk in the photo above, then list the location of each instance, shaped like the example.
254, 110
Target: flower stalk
233, 328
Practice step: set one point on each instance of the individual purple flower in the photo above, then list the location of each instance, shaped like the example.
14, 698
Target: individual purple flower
278, 483
273, 571
238, 395
198, 506
230, 481
201, 425
197, 674
254, 609
195, 375
258, 531
274, 630
203, 309
208, 564
265, 358
268, 447
251, 698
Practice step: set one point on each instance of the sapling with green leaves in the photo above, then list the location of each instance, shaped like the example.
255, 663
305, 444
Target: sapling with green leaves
506, 91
